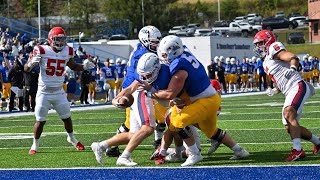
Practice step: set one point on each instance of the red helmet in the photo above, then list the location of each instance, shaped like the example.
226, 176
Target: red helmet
262, 41
57, 38
216, 85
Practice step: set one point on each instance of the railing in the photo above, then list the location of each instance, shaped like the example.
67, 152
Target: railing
18, 26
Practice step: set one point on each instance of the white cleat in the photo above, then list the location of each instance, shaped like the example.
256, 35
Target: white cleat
214, 146
240, 155
173, 157
192, 160
123, 161
98, 151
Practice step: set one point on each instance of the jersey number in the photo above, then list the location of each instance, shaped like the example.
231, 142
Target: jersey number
55, 67
195, 63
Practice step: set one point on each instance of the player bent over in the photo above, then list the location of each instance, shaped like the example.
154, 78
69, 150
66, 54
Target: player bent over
52, 60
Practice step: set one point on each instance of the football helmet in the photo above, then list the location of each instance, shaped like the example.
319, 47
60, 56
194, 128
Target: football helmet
216, 59
221, 58
148, 67
310, 58
305, 57
118, 61
150, 37
216, 85
169, 48
227, 60
262, 41
111, 62
124, 62
57, 38
233, 60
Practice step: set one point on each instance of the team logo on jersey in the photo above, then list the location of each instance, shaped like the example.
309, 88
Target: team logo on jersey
276, 47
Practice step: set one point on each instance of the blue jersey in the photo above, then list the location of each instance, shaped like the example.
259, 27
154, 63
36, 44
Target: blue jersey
120, 70
93, 74
233, 69
109, 72
311, 68
5, 74
245, 68
163, 78
260, 67
132, 74
305, 66
315, 64
227, 68
197, 80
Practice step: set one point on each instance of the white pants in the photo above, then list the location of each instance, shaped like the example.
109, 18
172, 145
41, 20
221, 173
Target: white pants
57, 99
141, 112
296, 98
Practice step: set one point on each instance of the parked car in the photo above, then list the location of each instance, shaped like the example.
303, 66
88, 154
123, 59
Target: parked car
296, 38
280, 14
254, 18
253, 29
294, 14
185, 33
217, 34
240, 19
176, 29
118, 37
201, 32
190, 30
301, 20
220, 24
271, 23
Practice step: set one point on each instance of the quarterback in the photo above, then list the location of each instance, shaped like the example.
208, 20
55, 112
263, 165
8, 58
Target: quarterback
52, 60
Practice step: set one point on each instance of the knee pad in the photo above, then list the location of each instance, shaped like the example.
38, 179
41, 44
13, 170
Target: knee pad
122, 128
219, 135
184, 133
161, 127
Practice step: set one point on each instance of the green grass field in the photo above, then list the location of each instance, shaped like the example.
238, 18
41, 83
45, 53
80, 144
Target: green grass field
253, 121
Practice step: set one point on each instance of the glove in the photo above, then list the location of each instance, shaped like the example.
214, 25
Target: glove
178, 102
289, 73
271, 92
36, 59
88, 64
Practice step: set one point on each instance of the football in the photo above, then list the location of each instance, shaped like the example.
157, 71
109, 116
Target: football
126, 100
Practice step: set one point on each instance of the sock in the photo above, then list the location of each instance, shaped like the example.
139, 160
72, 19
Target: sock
35, 145
179, 150
126, 154
315, 139
236, 148
158, 134
296, 144
103, 145
72, 138
163, 152
194, 149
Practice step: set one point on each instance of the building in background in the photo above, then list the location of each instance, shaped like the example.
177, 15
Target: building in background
314, 20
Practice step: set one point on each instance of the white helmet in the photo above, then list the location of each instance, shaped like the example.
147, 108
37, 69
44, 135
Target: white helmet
247, 60
233, 60
148, 67
227, 60
221, 58
254, 59
150, 37
216, 59
111, 62
124, 62
169, 48
305, 57
118, 61
258, 59
310, 58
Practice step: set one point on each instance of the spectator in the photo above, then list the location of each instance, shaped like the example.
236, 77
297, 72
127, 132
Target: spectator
16, 79
84, 81
6, 85
211, 70
72, 77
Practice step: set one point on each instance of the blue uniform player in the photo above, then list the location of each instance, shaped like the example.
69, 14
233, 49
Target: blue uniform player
149, 37
120, 71
188, 74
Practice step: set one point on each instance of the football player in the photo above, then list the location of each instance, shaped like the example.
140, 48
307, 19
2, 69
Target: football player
92, 84
52, 60
5, 82
120, 69
142, 111
109, 73
149, 37
283, 68
189, 74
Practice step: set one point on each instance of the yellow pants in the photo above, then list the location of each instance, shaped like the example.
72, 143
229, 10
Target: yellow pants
202, 113
92, 87
244, 77
233, 78
315, 73
119, 84
112, 83
6, 90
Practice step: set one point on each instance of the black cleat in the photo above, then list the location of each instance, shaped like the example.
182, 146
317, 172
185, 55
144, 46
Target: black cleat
113, 152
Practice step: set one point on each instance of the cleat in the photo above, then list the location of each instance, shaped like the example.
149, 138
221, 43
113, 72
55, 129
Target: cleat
161, 160
113, 152
156, 154
240, 155
98, 151
123, 161
316, 149
79, 146
32, 152
296, 155
173, 157
157, 143
192, 160
214, 146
